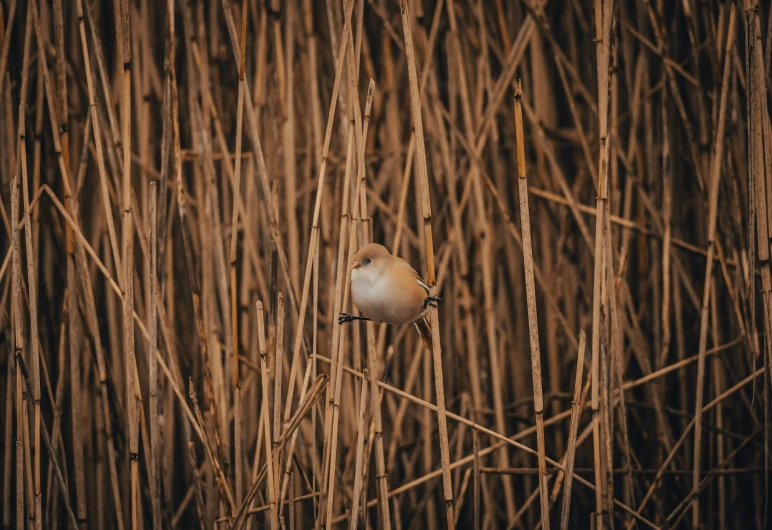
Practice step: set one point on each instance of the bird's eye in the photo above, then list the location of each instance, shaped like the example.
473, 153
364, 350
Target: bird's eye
368, 261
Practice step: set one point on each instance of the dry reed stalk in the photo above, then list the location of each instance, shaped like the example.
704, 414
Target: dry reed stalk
712, 216
252, 132
76, 257
687, 431
313, 243
19, 348
155, 491
606, 427
238, 451
219, 476
34, 346
758, 128
203, 341
98, 143
510, 441
757, 119
482, 231
380, 461
626, 223
718, 386
22, 373
476, 467
617, 373
287, 475
682, 507
659, 31
360, 446
8, 433
17, 296
433, 317
576, 407
8, 31
277, 382
128, 263
643, 317
314, 393
342, 290
272, 493
605, 25
533, 319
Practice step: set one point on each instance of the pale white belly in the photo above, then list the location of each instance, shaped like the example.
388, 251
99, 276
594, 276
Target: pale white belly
379, 300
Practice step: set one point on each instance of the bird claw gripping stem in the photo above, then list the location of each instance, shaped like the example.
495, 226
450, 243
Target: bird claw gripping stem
345, 317
432, 301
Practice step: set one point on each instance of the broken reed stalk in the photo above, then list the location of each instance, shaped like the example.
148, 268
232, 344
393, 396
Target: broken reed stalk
576, 408
272, 495
277, 382
423, 176
533, 318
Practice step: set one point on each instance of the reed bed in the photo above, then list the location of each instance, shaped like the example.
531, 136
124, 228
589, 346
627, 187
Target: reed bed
586, 184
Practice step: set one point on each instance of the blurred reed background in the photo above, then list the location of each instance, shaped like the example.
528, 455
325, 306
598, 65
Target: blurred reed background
184, 184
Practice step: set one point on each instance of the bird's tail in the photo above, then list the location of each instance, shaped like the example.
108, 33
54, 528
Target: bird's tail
424, 331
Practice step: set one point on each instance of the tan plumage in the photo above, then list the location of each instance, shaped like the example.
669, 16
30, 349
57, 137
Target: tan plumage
386, 288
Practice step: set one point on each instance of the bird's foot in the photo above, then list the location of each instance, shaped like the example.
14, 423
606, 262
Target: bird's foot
345, 317
432, 301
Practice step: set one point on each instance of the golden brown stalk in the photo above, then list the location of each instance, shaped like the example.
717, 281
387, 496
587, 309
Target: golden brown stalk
533, 319
429, 242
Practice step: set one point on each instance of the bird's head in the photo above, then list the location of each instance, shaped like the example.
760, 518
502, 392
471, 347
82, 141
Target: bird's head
370, 259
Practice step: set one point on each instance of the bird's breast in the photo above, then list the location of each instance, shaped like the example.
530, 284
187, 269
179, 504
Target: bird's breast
385, 299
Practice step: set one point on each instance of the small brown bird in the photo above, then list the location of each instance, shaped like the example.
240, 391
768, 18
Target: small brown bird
386, 288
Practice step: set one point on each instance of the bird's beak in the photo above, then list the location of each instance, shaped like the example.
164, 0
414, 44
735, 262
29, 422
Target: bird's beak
356, 265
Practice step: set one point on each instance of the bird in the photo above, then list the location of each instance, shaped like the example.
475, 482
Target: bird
385, 288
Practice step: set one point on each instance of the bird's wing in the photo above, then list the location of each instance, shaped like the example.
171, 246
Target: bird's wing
414, 273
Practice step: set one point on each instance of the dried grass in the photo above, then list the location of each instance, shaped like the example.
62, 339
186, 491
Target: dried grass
153, 377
